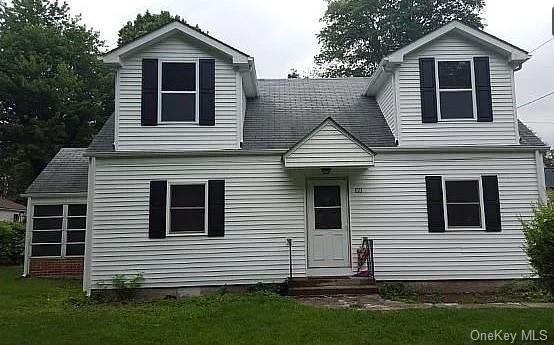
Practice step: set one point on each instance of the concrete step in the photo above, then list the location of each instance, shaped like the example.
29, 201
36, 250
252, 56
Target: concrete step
328, 281
331, 290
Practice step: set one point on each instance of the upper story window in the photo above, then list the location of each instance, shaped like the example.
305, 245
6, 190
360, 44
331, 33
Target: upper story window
178, 92
455, 91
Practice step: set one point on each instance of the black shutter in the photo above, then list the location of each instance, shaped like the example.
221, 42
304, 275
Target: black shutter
207, 92
483, 89
435, 208
149, 100
428, 90
492, 203
216, 208
158, 201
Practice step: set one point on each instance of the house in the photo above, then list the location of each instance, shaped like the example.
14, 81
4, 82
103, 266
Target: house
205, 172
11, 211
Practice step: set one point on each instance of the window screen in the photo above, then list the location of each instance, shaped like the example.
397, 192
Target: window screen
463, 203
178, 91
58, 230
327, 207
188, 208
455, 89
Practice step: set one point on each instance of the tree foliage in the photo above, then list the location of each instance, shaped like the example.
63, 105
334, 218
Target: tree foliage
54, 92
144, 23
539, 245
357, 34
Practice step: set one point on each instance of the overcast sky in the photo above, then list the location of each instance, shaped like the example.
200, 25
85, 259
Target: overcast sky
281, 35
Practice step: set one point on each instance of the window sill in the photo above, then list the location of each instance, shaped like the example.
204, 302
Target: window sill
464, 229
192, 234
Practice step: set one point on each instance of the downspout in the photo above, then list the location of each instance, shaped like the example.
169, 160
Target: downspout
541, 185
27, 253
89, 226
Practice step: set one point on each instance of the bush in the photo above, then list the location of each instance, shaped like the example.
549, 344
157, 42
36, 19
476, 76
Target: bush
12, 242
539, 245
126, 288
396, 291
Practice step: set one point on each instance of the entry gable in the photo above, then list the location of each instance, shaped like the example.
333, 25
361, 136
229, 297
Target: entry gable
328, 145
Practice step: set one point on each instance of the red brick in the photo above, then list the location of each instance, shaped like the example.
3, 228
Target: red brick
56, 267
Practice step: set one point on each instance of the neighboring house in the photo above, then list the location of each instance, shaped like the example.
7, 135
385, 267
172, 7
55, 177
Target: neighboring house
11, 211
204, 171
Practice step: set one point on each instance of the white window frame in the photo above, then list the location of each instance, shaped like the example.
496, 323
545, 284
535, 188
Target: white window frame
168, 231
481, 204
473, 92
63, 244
196, 62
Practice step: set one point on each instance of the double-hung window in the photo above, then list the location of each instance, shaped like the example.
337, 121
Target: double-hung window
455, 91
463, 204
58, 230
188, 212
178, 85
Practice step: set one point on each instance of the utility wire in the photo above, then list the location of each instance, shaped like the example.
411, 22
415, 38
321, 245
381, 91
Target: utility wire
542, 44
536, 99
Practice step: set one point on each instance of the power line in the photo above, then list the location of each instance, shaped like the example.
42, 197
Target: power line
542, 44
536, 99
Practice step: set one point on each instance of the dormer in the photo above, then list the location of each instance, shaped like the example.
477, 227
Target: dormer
179, 89
452, 87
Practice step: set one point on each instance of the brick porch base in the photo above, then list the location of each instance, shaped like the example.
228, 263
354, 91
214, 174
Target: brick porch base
56, 267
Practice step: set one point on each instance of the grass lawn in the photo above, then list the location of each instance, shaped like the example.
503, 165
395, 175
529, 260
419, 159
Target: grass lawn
40, 311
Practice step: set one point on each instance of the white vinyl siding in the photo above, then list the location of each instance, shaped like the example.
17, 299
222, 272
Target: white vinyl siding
501, 131
328, 147
265, 205
131, 136
392, 210
386, 100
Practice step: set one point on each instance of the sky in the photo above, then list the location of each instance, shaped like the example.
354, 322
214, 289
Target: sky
282, 35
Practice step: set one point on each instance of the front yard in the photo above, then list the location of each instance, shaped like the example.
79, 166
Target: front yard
40, 311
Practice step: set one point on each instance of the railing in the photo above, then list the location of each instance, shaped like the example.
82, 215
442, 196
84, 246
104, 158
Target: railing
289, 243
365, 257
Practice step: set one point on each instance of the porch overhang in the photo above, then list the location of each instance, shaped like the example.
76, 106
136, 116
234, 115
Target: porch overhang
329, 145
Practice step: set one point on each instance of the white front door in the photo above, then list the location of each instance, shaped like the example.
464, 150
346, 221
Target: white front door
328, 234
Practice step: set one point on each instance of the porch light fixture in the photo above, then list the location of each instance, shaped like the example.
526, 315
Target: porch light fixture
325, 171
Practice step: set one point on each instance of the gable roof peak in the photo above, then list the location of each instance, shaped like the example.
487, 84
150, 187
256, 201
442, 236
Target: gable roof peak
514, 55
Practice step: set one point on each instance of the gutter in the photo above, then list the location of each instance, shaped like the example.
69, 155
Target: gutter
509, 148
230, 152
54, 195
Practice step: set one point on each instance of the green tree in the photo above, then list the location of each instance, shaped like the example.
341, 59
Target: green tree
357, 34
54, 92
144, 23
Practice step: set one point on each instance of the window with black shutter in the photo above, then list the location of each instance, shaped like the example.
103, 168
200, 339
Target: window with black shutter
58, 230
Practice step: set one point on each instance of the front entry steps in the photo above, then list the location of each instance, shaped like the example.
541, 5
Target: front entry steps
329, 286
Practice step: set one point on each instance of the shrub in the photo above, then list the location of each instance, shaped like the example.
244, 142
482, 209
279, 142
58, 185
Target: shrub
126, 288
396, 291
539, 244
12, 242
268, 288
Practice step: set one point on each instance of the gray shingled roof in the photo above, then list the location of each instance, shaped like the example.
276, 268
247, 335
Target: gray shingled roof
287, 109
67, 172
527, 137
103, 141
